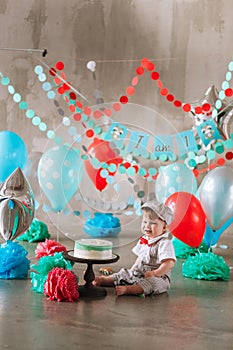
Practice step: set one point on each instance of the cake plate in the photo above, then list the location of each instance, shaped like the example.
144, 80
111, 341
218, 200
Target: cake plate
88, 290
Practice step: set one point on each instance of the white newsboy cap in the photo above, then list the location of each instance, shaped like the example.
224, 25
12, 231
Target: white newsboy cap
163, 211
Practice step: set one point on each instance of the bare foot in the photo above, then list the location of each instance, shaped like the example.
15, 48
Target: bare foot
103, 281
133, 290
121, 290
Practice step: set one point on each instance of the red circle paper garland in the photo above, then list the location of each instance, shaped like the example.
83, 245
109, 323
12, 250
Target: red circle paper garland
146, 65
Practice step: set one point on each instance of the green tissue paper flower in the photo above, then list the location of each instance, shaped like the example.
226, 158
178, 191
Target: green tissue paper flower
44, 266
207, 266
37, 232
183, 251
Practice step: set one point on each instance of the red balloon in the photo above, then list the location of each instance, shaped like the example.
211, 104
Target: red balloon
102, 151
189, 218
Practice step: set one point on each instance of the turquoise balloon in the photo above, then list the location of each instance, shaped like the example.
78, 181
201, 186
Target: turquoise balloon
173, 178
59, 175
13, 153
211, 237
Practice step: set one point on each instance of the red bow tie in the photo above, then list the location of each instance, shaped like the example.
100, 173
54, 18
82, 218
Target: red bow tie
143, 241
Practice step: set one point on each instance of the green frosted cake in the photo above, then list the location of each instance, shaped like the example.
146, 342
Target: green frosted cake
93, 249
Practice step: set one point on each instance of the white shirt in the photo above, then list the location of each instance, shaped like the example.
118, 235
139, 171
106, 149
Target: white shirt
157, 250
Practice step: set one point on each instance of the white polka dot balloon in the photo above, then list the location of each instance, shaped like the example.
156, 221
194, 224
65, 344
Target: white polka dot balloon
174, 178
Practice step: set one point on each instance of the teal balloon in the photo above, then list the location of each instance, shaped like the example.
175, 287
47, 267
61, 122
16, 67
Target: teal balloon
211, 237
173, 178
13, 153
59, 175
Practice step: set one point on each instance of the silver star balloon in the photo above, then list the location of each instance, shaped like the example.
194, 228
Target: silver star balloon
211, 95
17, 206
225, 122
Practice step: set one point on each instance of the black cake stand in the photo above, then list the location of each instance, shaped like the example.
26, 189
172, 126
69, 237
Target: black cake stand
88, 290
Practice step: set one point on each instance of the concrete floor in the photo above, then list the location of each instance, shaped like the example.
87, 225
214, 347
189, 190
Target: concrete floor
194, 315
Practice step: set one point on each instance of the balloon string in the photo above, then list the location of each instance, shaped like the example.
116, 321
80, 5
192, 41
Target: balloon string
208, 167
209, 250
58, 223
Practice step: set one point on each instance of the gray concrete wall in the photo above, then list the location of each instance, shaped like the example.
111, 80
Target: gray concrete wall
190, 41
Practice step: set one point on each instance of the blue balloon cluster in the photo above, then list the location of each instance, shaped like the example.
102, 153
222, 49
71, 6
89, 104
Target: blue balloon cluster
102, 225
13, 261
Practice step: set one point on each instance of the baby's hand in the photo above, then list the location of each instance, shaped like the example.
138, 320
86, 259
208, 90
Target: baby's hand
149, 274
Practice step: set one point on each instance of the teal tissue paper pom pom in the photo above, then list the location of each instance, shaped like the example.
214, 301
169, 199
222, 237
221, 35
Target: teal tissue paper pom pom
13, 261
102, 225
207, 266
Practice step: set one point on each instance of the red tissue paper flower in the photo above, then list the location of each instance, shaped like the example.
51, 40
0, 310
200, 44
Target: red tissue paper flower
48, 247
61, 285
